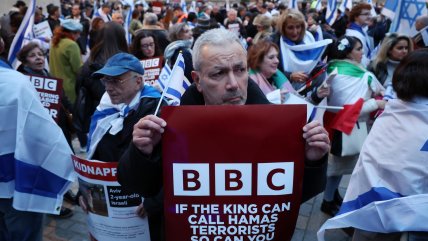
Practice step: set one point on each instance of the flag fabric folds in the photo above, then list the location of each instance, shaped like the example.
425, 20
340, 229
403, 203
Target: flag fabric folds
403, 14
24, 34
387, 190
176, 83
109, 117
293, 4
331, 14
36, 171
345, 119
128, 20
345, 4
303, 56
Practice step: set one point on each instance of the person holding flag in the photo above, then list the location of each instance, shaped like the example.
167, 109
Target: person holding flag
124, 103
300, 54
353, 84
387, 193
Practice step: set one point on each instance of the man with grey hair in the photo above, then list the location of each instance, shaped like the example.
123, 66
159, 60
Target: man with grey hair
221, 78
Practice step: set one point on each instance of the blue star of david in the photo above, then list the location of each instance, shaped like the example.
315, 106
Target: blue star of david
425, 146
405, 10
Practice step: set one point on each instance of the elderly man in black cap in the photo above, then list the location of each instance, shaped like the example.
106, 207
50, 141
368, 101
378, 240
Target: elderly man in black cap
124, 103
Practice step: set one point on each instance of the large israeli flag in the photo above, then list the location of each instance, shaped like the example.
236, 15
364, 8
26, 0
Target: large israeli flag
178, 82
35, 158
24, 34
331, 14
293, 4
403, 14
388, 190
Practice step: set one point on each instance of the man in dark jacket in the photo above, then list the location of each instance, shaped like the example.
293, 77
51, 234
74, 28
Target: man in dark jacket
223, 81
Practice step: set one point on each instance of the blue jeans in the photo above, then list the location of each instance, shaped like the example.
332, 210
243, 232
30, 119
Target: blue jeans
19, 225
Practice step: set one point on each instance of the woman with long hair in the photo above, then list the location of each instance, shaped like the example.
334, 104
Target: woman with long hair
393, 49
145, 45
352, 83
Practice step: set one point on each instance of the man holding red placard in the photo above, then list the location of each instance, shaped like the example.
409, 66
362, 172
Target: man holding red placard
221, 78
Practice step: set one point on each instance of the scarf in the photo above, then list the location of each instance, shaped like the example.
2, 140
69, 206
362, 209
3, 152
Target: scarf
109, 117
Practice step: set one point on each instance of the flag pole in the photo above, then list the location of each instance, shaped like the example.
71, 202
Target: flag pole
167, 84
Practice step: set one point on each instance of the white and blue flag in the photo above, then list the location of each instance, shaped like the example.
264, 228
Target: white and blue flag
293, 4
388, 190
35, 158
303, 56
183, 5
372, 11
128, 20
331, 14
345, 4
24, 34
177, 82
403, 14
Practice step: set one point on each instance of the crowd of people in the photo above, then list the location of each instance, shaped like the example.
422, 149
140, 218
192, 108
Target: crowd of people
246, 53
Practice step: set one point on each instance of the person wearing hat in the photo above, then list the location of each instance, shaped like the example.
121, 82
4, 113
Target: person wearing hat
124, 103
64, 58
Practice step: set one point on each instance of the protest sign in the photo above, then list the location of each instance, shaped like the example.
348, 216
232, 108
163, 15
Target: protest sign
42, 30
111, 209
152, 68
232, 172
50, 93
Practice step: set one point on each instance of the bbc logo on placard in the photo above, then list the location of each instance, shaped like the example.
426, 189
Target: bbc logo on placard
44, 83
233, 179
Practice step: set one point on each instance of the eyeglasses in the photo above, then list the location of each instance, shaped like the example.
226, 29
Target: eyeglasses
115, 81
146, 46
365, 14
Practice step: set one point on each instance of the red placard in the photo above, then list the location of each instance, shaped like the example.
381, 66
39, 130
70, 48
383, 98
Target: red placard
152, 68
50, 93
232, 172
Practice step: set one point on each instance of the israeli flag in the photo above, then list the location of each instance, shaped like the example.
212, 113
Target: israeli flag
388, 190
304, 56
177, 83
293, 4
192, 7
403, 14
318, 5
164, 77
331, 14
128, 20
24, 34
346, 4
35, 158
183, 5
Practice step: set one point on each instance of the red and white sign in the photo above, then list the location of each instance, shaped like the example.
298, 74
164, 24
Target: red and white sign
50, 93
233, 172
152, 69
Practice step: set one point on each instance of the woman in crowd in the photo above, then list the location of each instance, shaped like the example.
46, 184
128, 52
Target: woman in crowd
135, 22
352, 82
300, 54
400, 167
360, 17
263, 63
32, 58
181, 37
145, 45
96, 25
64, 57
394, 48
264, 28
111, 41
151, 25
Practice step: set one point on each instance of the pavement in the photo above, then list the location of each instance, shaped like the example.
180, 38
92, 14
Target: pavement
308, 223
